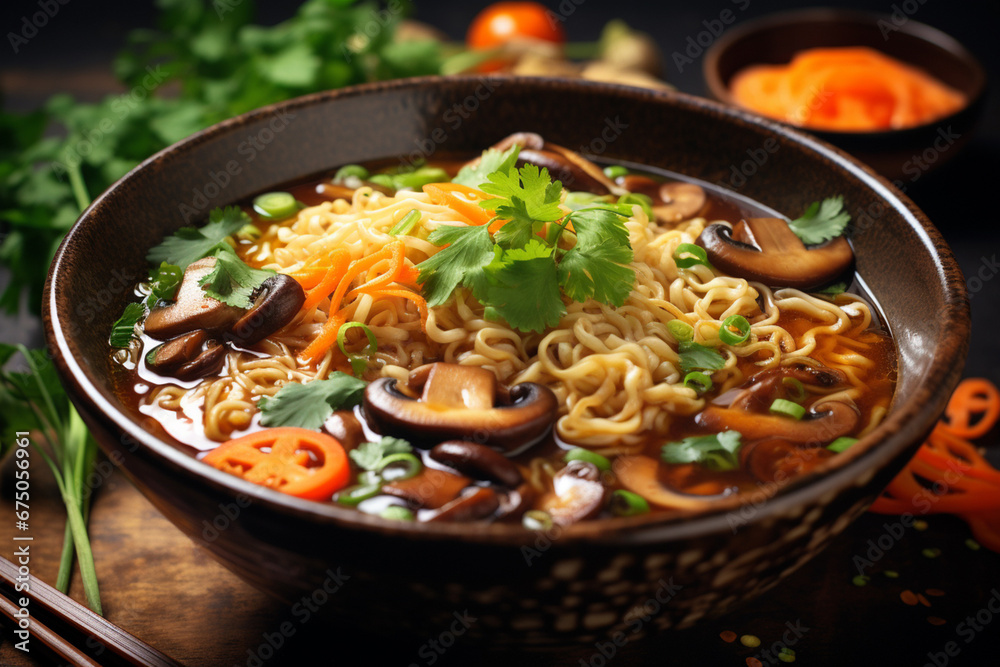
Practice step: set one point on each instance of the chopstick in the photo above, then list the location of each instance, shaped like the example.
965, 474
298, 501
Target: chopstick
77, 626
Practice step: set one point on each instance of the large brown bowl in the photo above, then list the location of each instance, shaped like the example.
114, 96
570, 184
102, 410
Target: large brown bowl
524, 588
902, 155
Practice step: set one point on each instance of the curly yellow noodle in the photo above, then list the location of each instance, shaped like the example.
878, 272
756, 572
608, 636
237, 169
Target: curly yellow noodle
615, 371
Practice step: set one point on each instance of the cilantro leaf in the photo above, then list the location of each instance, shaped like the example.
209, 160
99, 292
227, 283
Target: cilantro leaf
232, 281
716, 452
492, 160
822, 221
309, 405
368, 454
833, 290
595, 266
461, 263
524, 287
123, 330
695, 356
163, 283
527, 198
189, 244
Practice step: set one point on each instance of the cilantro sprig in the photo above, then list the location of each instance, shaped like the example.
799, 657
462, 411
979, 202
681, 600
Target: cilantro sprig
368, 454
309, 405
231, 280
719, 452
518, 274
822, 221
189, 244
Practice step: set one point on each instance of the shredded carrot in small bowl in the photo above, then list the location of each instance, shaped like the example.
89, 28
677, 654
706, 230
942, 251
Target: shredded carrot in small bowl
849, 89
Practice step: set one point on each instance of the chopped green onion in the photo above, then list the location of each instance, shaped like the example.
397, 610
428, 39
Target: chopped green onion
688, 254
368, 477
614, 171
276, 205
404, 226
681, 331
397, 513
787, 408
626, 503
421, 177
353, 495
342, 337
580, 454
642, 200
385, 180
797, 389
248, 232
741, 326
349, 170
396, 467
702, 382
536, 520
841, 444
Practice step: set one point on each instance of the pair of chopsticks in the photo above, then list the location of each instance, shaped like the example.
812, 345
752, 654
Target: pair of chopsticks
66, 627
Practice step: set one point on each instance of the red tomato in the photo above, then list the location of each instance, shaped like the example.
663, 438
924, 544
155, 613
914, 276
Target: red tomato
500, 22
298, 462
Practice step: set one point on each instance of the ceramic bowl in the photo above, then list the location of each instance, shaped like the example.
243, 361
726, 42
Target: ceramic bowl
902, 155
525, 589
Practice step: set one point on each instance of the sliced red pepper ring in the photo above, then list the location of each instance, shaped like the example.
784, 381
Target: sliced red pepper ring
295, 461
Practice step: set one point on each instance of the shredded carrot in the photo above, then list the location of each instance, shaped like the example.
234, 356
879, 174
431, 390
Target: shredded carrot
339, 260
948, 474
460, 198
412, 296
397, 259
846, 89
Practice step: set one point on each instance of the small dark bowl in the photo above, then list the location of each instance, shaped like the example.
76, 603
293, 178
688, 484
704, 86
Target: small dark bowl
525, 588
902, 155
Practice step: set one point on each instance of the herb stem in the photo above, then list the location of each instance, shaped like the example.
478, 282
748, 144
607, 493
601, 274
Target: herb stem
78, 186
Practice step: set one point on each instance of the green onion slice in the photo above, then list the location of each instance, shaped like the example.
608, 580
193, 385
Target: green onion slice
397, 467
741, 333
385, 180
276, 205
681, 331
787, 408
841, 444
580, 454
626, 503
642, 200
421, 177
397, 513
407, 223
796, 389
353, 495
359, 362
349, 170
688, 254
615, 170
702, 382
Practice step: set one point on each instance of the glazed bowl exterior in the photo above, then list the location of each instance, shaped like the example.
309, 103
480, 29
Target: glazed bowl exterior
904, 155
525, 589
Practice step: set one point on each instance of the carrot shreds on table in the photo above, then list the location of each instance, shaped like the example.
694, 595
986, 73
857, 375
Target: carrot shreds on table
948, 474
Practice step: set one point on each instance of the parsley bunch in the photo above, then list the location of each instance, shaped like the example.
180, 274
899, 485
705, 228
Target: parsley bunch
520, 274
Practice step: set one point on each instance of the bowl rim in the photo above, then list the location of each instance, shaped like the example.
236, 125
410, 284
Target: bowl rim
922, 31
903, 428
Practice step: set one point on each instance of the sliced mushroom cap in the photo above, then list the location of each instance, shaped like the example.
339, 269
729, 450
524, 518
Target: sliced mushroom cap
515, 502
345, 427
768, 251
577, 494
640, 474
573, 170
275, 304
528, 140
461, 403
672, 202
431, 488
775, 459
478, 461
187, 357
759, 391
475, 504
826, 421
191, 309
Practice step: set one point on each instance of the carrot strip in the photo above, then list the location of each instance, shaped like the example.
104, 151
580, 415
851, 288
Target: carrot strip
326, 339
462, 199
975, 398
412, 296
339, 261
396, 259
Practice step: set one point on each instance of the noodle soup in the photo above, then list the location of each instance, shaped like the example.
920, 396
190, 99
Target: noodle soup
520, 337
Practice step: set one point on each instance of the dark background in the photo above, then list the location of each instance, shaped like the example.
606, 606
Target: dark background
848, 624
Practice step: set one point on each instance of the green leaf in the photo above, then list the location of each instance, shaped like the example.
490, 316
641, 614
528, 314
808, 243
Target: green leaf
822, 221
309, 405
461, 263
164, 281
368, 454
596, 267
833, 290
189, 244
524, 287
491, 161
123, 330
695, 356
231, 280
527, 198
719, 452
